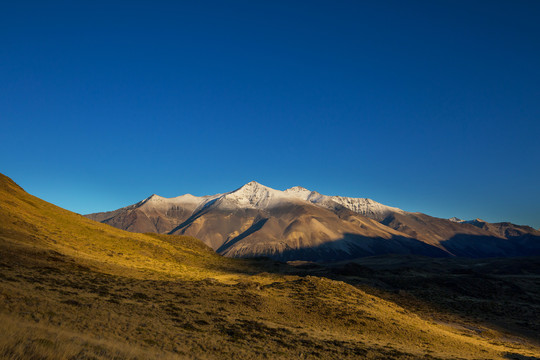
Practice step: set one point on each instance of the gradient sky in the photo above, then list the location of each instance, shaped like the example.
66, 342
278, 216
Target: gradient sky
430, 106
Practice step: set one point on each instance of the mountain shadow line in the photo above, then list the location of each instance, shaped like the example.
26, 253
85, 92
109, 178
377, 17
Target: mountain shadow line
253, 228
194, 216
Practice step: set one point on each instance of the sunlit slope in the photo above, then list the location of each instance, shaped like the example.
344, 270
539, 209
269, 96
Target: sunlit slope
71, 286
29, 220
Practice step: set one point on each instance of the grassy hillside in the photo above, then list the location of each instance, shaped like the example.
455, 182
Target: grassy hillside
25, 219
71, 288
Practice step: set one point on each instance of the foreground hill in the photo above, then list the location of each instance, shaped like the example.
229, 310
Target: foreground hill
31, 222
299, 224
71, 288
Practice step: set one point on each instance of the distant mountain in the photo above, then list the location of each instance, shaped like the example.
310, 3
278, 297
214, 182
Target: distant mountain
256, 220
299, 224
503, 229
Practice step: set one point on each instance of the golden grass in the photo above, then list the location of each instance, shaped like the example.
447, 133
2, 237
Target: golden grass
23, 340
30, 220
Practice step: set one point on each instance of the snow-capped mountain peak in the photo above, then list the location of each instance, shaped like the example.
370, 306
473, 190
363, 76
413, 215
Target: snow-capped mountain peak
186, 201
255, 195
152, 199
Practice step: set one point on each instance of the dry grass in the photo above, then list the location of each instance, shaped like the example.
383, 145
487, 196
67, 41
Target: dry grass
25, 219
23, 340
50, 296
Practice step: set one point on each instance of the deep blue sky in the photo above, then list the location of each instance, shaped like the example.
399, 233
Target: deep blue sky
430, 106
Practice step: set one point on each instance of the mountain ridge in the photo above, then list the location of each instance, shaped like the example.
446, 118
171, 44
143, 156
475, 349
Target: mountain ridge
300, 224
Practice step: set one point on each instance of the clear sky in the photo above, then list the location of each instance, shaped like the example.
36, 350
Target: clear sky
430, 106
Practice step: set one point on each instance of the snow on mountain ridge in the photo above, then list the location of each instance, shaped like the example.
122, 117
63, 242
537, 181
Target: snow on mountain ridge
363, 206
257, 196
187, 201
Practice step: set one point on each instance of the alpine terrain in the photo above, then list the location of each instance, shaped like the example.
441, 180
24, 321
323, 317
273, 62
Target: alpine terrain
299, 224
72, 288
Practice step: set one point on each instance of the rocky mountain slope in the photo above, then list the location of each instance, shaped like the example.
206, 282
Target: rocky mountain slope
299, 224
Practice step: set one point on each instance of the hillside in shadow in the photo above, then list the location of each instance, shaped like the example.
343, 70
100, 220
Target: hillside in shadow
500, 293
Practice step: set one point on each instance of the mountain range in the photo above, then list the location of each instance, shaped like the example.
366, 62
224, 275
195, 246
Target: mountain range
73, 288
298, 224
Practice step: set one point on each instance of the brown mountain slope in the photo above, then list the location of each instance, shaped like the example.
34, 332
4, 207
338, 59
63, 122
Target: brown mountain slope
454, 235
153, 214
466, 239
297, 231
504, 229
298, 224
258, 221
430, 229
